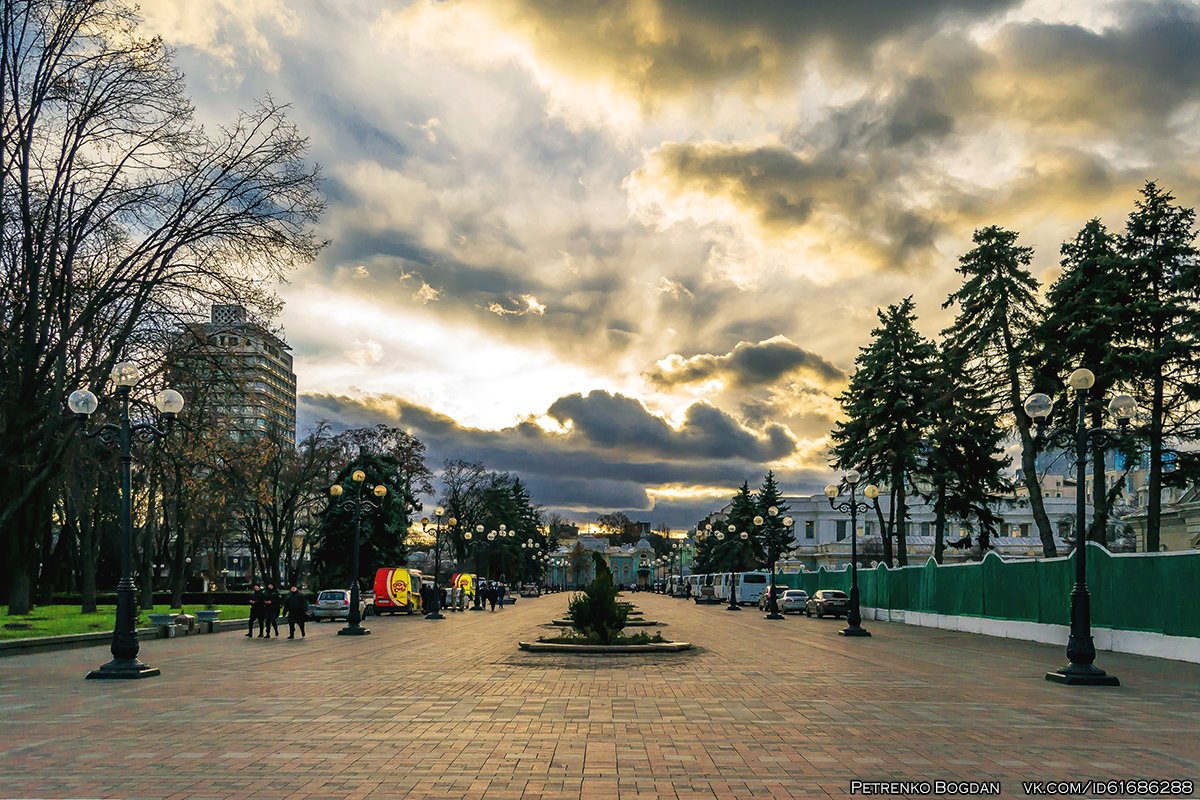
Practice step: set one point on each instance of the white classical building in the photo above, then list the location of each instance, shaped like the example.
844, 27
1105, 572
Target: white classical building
822, 534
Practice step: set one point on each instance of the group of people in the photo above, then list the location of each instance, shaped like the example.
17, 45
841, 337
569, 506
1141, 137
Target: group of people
266, 606
491, 593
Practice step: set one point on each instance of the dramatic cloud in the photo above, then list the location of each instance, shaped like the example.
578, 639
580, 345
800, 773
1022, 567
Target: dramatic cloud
630, 248
747, 365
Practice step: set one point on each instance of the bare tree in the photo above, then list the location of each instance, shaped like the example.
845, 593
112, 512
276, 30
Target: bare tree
119, 216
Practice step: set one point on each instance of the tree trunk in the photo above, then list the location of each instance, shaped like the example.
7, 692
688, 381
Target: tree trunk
149, 531
1099, 528
23, 537
1028, 449
885, 534
1154, 485
899, 525
939, 525
89, 536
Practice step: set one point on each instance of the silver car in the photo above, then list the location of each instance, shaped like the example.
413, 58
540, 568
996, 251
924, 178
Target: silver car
793, 600
335, 604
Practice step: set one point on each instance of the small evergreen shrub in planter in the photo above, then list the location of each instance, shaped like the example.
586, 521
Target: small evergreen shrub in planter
595, 614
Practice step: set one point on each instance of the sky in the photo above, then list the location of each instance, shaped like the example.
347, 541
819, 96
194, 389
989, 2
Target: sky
629, 249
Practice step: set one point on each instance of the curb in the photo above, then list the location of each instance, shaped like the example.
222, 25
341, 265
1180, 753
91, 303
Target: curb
47, 644
633, 623
627, 649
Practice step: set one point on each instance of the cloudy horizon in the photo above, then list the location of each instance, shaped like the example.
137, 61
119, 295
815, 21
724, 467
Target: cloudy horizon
629, 250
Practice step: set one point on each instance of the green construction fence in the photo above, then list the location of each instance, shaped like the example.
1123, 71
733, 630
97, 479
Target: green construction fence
1154, 592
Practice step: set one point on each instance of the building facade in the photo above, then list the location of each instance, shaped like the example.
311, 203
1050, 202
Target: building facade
246, 372
822, 534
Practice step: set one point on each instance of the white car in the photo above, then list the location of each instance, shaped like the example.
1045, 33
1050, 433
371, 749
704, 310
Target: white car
335, 604
793, 600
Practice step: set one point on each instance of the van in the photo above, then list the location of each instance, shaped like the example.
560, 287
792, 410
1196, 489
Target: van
394, 591
749, 586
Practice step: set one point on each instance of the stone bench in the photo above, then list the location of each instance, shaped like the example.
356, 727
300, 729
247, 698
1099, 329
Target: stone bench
208, 619
169, 625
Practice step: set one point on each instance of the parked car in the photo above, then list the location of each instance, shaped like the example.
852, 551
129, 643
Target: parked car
793, 600
764, 602
335, 604
828, 603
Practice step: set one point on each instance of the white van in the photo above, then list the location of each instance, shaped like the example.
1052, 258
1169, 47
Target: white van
750, 586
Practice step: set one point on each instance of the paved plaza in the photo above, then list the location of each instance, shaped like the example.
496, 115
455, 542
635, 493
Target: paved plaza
453, 709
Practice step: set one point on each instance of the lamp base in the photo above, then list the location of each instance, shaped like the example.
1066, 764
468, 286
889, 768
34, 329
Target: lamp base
123, 669
354, 630
478, 608
435, 615
733, 608
1082, 675
854, 630
775, 615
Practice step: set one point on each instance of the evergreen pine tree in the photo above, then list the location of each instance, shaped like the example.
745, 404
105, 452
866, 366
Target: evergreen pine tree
998, 307
773, 537
734, 553
884, 406
1087, 311
1162, 277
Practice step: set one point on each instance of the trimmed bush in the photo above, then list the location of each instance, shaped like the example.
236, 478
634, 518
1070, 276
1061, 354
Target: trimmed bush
595, 614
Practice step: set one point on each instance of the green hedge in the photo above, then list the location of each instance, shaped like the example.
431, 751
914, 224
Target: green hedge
1141, 592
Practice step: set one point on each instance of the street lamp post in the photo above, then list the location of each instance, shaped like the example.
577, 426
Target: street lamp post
125, 648
436, 612
1081, 650
733, 605
475, 545
772, 601
870, 491
358, 506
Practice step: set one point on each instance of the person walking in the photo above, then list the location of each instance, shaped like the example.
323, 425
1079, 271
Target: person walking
271, 605
296, 606
492, 594
500, 590
256, 612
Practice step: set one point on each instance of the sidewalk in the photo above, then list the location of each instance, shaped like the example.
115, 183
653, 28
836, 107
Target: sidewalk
453, 709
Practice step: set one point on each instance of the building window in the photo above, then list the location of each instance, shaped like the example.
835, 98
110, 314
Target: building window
841, 529
924, 528
810, 529
1024, 531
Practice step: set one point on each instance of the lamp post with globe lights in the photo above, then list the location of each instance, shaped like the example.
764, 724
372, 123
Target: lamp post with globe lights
772, 557
1081, 650
733, 605
125, 648
475, 540
358, 506
870, 491
436, 612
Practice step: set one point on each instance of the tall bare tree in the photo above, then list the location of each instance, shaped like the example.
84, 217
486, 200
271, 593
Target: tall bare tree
119, 216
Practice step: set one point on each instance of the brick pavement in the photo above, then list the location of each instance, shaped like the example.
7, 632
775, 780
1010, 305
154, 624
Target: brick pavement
453, 710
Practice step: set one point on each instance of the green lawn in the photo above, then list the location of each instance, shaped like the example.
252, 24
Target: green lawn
58, 620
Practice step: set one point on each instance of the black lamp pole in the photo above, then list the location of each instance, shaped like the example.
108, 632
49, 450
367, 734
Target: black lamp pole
1081, 649
854, 616
357, 506
125, 663
436, 612
772, 601
475, 544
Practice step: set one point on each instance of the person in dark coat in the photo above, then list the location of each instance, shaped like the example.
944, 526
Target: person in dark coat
296, 606
492, 595
256, 612
271, 608
500, 590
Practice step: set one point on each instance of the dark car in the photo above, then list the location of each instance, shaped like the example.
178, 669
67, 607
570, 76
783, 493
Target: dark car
828, 603
764, 602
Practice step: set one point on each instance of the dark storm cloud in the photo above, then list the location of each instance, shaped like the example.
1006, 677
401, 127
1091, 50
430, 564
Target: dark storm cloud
656, 48
1132, 75
749, 364
598, 464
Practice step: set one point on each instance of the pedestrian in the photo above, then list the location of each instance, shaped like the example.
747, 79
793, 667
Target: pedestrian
492, 594
271, 606
256, 612
500, 590
296, 606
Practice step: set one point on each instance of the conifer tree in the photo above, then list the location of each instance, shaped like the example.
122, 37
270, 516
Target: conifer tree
735, 554
773, 537
1087, 313
964, 452
1162, 276
885, 412
997, 308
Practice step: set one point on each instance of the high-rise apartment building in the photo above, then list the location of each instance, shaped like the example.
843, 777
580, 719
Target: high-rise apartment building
247, 372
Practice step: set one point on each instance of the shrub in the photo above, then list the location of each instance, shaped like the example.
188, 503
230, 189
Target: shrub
595, 613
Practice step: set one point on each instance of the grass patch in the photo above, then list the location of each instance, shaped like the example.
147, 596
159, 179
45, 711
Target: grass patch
61, 620
633, 638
